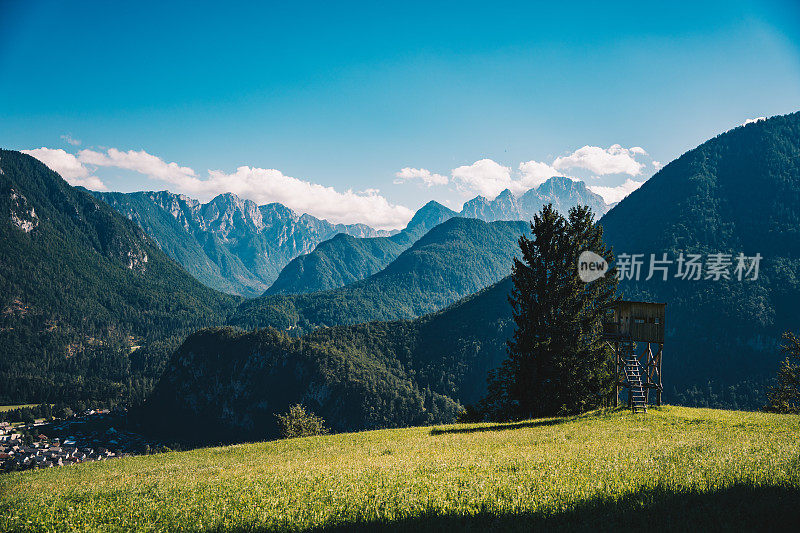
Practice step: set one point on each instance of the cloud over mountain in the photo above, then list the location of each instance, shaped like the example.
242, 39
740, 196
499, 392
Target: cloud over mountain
617, 193
68, 166
485, 176
489, 178
601, 161
261, 185
423, 174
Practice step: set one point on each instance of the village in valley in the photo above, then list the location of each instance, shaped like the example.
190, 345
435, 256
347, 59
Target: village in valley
95, 435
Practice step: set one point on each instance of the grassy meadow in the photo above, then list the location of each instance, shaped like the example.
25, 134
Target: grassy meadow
12, 407
673, 468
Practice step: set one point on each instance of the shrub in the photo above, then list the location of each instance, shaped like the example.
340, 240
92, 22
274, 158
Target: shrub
297, 422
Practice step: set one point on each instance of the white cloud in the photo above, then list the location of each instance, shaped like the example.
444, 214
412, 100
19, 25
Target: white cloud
489, 178
612, 160
69, 140
752, 120
615, 194
657, 165
90, 182
140, 162
486, 177
68, 166
534, 173
62, 162
269, 185
258, 184
427, 177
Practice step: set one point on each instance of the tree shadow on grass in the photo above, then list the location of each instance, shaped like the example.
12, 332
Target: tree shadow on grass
737, 508
501, 427
597, 413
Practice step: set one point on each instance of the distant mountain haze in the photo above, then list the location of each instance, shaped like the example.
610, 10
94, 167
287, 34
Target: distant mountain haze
341, 261
454, 259
234, 245
230, 244
562, 192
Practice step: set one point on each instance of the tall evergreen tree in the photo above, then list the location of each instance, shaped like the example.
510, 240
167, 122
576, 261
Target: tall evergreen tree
557, 361
784, 397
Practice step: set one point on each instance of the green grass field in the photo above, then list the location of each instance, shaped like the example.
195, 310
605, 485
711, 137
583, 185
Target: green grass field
675, 468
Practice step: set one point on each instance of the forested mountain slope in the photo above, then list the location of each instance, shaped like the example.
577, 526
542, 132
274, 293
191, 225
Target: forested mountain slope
736, 193
453, 260
224, 384
90, 308
345, 259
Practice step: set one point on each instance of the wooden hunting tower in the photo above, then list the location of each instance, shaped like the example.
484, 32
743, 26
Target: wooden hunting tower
625, 325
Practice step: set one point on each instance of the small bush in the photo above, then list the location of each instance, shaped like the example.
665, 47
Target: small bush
297, 422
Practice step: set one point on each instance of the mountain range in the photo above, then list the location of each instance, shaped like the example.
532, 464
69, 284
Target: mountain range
738, 192
562, 192
456, 258
92, 307
229, 244
236, 246
340, 261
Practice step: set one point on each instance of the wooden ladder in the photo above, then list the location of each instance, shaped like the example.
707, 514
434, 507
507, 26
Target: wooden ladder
633, 374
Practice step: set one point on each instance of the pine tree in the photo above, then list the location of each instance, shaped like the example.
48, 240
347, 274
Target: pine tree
557, 361
785, 396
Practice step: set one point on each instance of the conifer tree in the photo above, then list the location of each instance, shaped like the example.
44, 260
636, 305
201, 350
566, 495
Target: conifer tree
557, 361
784, 397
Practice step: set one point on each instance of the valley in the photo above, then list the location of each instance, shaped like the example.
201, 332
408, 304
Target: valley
343, 267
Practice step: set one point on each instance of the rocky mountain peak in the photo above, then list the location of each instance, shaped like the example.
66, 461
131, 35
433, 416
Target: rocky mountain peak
429, 215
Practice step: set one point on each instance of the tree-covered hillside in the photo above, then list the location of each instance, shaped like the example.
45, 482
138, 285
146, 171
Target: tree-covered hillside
90, 308
224, 384
344, 259
736, 193
453, 260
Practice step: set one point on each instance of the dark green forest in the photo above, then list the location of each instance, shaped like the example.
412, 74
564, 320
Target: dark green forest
90, 308
227, 384
736, 193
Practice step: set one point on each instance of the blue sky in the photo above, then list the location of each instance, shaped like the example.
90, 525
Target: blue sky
309, 101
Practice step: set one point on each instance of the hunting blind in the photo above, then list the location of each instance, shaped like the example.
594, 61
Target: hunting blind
626, 325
